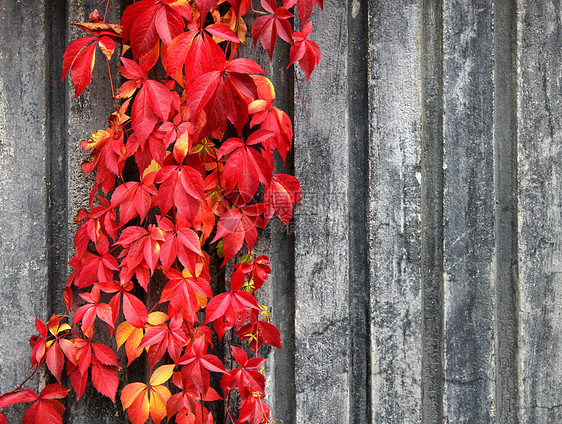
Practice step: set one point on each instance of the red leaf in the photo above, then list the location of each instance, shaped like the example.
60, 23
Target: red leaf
160, 98
105, 355
304, 7
55, 360
223, 32
131, 14
144, 35
266, 27
177, 52
44, 412
204, 56
245, 168
19, 396
105, 379
202, 90
238, 225
204, 7
134, 310
73, 50
169, 24
280, 195
81, 72
244, 66
134, 199
143, 116
306, 52
53, 391
183, 187
131, 70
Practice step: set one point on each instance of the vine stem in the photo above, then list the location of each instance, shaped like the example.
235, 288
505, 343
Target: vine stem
202, 415
106, 7
302, 99
19, 386
111, 82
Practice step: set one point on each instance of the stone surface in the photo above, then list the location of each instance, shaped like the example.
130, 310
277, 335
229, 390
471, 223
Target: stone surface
322, 230
539, 216
468, 211
395, 212
23, 188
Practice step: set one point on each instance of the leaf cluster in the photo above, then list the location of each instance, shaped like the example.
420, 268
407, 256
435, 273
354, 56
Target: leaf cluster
184, 171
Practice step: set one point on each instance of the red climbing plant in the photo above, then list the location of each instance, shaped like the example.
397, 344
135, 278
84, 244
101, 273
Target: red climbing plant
178, 176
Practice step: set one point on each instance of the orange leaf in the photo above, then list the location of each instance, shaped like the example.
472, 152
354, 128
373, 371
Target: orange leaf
134, 397
159, 395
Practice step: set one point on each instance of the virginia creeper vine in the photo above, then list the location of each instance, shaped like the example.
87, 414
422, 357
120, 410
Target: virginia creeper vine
197, 143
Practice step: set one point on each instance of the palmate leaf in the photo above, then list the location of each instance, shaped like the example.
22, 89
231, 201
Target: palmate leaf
80, 55
280, 195
246, 167
267, 27
79, 59
92, 309
141, 400
253, 409
182, 187
304, 7
304, 51
181, 243
46, 409
238, 226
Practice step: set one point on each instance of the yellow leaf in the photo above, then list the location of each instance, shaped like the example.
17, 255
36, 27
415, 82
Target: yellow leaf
162, 374
123, 332
153, 167
157, 318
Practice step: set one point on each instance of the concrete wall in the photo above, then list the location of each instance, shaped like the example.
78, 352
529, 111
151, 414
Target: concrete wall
422, 281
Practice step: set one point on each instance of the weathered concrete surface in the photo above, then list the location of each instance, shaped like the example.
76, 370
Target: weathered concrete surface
23, 187
322, 230
423, 151
395, 211
539, 211
468, 211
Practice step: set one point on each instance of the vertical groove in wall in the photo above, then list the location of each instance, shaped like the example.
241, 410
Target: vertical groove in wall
283, 259
358, 195
505, 157
56, 161
432, 211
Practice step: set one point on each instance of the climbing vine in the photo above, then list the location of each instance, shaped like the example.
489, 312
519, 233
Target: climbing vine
184, 172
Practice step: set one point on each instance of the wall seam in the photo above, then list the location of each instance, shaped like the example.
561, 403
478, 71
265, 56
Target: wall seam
56, 160
358, 197
433, 371
505, 188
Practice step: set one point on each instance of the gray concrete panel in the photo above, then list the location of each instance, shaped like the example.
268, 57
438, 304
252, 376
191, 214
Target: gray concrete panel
540, 219
468, 211
394, 219
322, 229
23, 188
